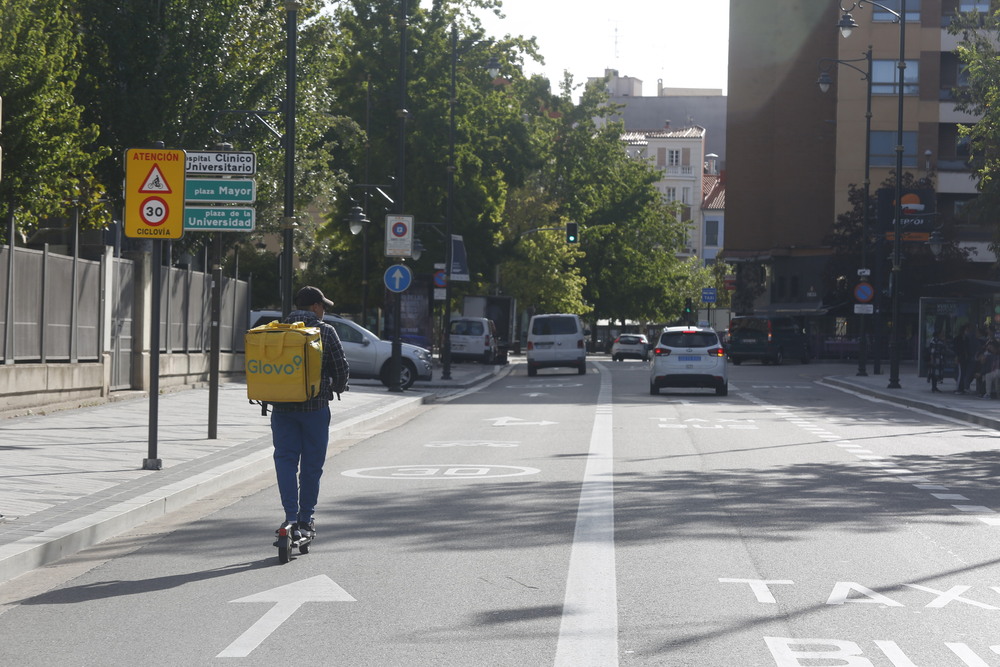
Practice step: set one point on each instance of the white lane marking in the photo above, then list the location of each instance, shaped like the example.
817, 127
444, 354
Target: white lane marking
588, 633
436, 471
287, 599
979, 509
883, 465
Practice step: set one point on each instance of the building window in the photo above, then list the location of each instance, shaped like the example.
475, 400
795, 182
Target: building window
685, 195
670, 193
884, 149
964, 6
885, 77
673, 158
912, 10
711, 232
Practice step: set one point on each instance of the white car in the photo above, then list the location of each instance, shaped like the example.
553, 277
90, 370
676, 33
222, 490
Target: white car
368, 355
689, 357
630, 346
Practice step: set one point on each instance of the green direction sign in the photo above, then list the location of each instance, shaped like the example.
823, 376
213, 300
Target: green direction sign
220, 190
219, 218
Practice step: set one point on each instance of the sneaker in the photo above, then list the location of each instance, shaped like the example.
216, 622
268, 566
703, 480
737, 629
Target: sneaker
307, 529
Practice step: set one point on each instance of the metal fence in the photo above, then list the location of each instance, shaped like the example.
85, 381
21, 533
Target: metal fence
55, 309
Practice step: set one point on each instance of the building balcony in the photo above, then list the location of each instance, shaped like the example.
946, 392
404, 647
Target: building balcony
678, 170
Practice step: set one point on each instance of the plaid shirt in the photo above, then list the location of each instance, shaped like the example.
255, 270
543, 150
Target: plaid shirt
335, 371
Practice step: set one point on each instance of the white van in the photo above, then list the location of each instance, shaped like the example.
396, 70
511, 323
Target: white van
556, 340
473, 339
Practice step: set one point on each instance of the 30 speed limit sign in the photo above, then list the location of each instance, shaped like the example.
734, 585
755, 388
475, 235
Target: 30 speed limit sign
154, 193
154, 211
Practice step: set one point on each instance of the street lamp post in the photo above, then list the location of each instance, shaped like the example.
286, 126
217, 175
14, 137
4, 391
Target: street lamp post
846, 25
396, 363
824, 82
288, 219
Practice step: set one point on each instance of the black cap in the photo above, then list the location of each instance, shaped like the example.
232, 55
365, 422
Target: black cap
307, 296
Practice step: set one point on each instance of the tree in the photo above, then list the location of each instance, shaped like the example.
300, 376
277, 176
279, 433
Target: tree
628, 233
979, 52
198, 60
494, 146
49, 157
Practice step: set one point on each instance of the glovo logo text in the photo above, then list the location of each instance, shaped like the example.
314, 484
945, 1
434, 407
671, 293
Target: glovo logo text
264, 368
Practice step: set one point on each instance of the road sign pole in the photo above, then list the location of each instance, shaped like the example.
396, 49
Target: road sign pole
151, 462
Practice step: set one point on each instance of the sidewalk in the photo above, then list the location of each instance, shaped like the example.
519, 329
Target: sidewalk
73, 478
916, 392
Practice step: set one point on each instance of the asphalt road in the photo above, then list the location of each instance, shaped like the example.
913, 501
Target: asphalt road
571, 520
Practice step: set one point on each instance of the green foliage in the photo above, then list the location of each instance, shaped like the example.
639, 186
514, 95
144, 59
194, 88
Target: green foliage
83, 80
48, 156
979, 52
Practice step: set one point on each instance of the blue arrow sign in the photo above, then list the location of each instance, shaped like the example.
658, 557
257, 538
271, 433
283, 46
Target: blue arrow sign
398, 278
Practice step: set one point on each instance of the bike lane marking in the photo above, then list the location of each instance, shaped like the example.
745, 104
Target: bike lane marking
588, 632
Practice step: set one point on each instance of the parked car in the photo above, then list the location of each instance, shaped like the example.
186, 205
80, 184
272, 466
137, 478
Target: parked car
630, 346
769, 339
368, 355
689, 357
473, 339
556, 339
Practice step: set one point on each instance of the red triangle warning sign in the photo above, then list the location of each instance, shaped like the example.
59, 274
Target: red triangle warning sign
155, 182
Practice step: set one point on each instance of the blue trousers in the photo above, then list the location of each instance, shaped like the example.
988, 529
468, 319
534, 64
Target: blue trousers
300, 442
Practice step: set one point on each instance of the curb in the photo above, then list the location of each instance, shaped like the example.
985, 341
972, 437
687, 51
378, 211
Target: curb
48, 546
960, 415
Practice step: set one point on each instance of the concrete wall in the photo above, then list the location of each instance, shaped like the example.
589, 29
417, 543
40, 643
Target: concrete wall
27, 388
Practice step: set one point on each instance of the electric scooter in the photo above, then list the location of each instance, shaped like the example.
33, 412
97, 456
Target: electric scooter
289, 539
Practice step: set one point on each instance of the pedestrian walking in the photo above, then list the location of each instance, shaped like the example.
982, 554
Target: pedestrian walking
301, 431
936, 351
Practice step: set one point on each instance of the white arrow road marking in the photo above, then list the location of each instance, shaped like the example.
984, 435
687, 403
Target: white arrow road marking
514, 421
287, 599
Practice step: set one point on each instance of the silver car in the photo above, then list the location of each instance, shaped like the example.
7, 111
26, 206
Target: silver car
630, 346
368, 355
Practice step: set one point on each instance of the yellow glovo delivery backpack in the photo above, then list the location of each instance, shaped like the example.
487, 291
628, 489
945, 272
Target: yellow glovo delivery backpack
283, 363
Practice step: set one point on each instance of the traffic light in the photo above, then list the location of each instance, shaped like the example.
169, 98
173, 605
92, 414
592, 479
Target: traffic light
688, 308
572, 232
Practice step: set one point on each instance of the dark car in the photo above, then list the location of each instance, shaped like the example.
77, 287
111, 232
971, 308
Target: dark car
768, 339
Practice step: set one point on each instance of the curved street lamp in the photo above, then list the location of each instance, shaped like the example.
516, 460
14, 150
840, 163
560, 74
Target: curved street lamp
847, 25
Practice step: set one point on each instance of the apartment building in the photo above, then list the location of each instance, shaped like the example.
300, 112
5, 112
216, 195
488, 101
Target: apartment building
794, 151
679, 155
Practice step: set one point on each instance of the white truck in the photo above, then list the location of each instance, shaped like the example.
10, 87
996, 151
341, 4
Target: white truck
503, 311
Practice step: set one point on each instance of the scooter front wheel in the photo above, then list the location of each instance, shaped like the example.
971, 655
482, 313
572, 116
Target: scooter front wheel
284, 544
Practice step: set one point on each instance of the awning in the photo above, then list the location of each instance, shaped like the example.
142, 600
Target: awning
963, 288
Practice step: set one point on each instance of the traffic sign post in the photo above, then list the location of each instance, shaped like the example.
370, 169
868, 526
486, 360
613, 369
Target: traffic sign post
221, 163
220, 190
398, 235
219, 218
154, 193
398, 278
864, 292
